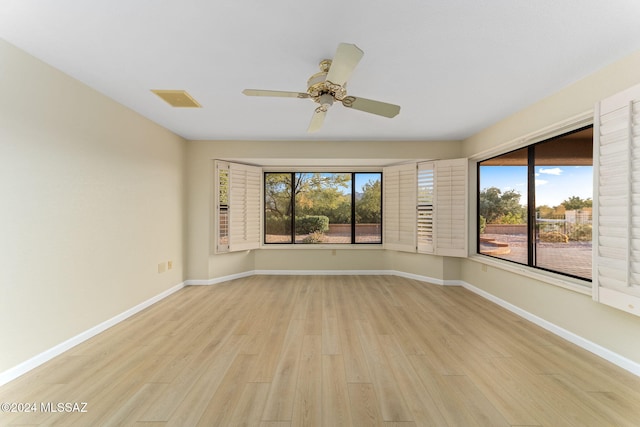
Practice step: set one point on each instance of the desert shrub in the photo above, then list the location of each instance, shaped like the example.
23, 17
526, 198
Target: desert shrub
553, 237
312, 223
483, 224
278, 224
581, 233
315, 237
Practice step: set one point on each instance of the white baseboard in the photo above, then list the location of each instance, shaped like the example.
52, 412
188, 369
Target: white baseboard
322, 272
45, 356
427, 279
421, 278
206, 282
594, 348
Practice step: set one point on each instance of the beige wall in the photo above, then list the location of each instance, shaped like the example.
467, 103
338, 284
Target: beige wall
319, 259
575, 312
573, 100
92, 199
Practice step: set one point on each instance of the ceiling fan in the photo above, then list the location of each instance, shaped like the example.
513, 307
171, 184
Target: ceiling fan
329, 85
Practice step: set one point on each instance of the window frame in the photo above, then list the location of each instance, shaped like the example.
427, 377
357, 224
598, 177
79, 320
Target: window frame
351, 171
529, 144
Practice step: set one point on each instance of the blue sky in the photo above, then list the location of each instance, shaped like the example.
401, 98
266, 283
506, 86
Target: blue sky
553, 183
362, 178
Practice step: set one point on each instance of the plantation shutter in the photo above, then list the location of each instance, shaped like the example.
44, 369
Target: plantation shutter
426, 175
450, 207
221, 192
616, 237
244, 207
399, 207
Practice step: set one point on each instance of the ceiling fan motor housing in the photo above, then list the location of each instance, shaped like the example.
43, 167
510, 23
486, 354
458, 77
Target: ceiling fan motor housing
318, 87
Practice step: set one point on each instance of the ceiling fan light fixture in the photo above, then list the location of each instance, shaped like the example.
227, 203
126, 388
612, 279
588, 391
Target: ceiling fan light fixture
329, 85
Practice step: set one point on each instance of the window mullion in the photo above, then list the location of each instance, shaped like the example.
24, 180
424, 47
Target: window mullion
353, 207
531, 207
293, 207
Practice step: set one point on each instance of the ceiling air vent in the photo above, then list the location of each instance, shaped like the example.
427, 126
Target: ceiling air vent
177, 98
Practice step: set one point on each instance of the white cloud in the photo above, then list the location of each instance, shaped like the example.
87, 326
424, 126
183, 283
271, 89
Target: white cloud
551, 171
541, 182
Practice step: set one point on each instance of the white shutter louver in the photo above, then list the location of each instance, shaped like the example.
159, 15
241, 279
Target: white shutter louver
616, 237
399, 208
450, 207
426, 177
221, 189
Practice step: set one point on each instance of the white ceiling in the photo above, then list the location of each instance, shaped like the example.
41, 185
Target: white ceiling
455, 66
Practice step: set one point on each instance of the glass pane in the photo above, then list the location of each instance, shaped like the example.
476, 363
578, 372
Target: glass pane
277, 207
503, 206
564, 191
323, 207
368, 207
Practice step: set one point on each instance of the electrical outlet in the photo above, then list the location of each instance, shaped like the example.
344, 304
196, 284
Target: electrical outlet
484, 267
333, 252
169, 265
162, 267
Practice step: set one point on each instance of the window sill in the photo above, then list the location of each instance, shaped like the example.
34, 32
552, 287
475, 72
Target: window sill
570, 283
336, 246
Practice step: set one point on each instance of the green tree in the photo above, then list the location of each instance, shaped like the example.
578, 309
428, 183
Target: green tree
323, 194
368, 209
315, 194
502, 208
278, 195
544, 211
575, 203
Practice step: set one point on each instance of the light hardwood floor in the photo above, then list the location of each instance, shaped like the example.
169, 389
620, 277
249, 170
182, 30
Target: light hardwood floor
327, 351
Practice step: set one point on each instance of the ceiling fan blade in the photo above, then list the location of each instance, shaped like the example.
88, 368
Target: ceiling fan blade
344, 62
279, 93
317, 119
371, 106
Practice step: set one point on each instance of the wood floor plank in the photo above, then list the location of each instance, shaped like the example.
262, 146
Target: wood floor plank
281, 351
133, 406
279, 406
307, 407
469, 399
555, 404
303, 298
330, 330
612, 405
221, 406
399, 424
392, 404
201, 376
354, 362
364, 404
272, 340
248, 410
423, 408
335, 394
507, 392
313, 319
